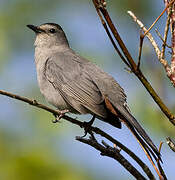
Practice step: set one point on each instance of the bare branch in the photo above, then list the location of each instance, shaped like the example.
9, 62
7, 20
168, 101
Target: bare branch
162, 61
83, 125
166, 8
154, 44
166, 33
107, 150
102, 11
149, 36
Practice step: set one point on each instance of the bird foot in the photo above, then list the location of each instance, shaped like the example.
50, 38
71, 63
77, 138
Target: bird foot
61, 114
87, 126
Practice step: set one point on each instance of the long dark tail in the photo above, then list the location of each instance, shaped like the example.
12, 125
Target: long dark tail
121, 112
138, 131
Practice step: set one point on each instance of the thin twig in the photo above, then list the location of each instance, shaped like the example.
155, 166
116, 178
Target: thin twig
149, 36
40, 106
166, 33
113, 153
168, 5
162, 39
110, 37
159, 165
140, 50
162, 61
124, 148
115, 46
154, 44
170, 70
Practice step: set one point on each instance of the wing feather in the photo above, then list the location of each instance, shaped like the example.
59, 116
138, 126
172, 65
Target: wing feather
74, 84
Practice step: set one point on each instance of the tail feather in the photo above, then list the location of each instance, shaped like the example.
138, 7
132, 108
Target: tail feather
132, 122
122, 113
143, 143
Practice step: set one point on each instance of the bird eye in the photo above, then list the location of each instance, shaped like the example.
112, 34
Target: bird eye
52, 30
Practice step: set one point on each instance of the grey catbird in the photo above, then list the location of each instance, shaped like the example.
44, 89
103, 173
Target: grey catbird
71, 82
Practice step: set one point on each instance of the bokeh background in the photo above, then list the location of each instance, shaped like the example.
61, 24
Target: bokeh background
31, 147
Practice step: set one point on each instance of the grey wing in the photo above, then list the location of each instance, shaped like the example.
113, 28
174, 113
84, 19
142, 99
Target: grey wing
115, 94
117, 97
108, 86
70, 78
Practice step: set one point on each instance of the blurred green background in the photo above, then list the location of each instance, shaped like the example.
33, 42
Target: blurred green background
31, 147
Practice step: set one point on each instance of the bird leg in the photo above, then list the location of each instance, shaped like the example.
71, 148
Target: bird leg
61, 114
87, 125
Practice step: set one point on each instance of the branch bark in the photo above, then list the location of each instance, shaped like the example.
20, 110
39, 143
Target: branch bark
108, 151
105, 18
90, 130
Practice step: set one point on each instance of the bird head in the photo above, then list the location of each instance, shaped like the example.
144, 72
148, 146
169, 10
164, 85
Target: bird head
49, 34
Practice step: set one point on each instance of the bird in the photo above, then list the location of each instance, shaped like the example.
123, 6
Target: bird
74, 84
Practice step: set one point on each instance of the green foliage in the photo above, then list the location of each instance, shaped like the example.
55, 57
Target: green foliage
21, 162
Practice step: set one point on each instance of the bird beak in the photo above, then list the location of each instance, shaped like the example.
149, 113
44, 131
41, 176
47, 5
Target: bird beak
36, 29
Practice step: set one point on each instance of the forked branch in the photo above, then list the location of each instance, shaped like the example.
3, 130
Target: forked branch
105, 18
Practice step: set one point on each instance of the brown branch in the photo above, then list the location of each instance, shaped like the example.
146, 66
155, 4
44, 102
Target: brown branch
83, 125
153, 43
125, 149
104, 17
108, 151
101, 9
110, 37
170, 69
166, 33
140, 50
149, 36
166, 8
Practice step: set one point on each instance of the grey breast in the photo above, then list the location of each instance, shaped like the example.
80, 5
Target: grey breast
47, 89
